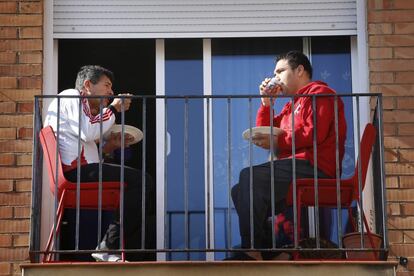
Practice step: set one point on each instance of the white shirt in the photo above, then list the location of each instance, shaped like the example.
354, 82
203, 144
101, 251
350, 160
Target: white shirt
69, 128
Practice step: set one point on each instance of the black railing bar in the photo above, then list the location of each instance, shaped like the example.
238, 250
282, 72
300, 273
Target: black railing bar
78, 174
186, 180
295, 210
272, 173
143, 171
338, 174
229, 179
382, 171
122, 180
166, 232
55, 239
101, 142
235, 96
197, 212
361, 210
213, 250
209, 187
251, 200
315, 170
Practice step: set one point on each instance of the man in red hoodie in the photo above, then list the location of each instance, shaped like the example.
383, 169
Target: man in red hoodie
293, 73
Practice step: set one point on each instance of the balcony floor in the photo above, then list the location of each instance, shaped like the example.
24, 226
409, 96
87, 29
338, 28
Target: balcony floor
225, 268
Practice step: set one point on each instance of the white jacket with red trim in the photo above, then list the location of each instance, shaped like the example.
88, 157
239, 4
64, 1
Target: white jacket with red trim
69, 128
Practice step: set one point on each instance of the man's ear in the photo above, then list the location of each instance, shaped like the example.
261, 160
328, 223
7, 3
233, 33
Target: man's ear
87, 85
301, 70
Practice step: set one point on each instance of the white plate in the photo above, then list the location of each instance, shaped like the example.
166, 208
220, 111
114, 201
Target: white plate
131, 130
262, 130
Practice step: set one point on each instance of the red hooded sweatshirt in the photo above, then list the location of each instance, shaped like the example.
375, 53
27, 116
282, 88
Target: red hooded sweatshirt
304, 127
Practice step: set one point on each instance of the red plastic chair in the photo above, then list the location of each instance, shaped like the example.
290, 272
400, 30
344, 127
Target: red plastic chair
89, 191
305, 191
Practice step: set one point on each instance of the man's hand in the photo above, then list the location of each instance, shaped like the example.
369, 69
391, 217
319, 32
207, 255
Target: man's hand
264, 140
114, 141
117, 102
274, 91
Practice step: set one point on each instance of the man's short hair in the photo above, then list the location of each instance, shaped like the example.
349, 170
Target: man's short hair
296, 58
92, 73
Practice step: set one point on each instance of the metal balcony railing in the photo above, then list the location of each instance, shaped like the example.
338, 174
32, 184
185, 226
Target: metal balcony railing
213, 225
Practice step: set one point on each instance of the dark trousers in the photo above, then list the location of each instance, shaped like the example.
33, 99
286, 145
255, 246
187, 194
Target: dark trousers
132, 204
262, 197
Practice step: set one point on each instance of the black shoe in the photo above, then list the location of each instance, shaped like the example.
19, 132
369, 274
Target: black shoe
239, 256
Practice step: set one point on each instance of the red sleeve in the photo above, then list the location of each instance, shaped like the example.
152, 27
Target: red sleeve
263, 117
304, 125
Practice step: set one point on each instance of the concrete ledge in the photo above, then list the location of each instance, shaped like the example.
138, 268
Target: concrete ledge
224, 268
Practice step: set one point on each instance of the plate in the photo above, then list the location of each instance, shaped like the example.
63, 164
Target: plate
262, 130
131, 130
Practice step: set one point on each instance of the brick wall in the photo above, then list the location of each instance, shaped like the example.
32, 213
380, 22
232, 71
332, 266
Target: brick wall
20, 79
391, 53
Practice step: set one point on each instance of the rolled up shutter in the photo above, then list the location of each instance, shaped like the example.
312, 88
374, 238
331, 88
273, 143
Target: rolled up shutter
207, 18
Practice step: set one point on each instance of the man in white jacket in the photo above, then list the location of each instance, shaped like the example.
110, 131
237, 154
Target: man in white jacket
94, 80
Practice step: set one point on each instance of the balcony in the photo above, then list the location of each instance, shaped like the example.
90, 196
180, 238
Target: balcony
194, 151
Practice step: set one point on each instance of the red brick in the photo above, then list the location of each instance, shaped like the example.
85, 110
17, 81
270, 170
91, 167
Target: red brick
391, 181
24, 160
31, 32
390, 129
30, 7
21, 45
406, 155
14, 254
8, 7
406, 181
404, 52
408, 236
21, 240
20, 70
19, 95
393, 89
5, 241
5, 268
390, 4
393, 209
25, 107
7, 159
8, 82
401, 223
6, 185
404, 77
387, 103
15, 226
16, 120
391, 155
407, 209
391, 65
400, 195
8, 32
405, 129
7, 57
381, 28
23, 186
405, 142
30, 82
402, 250
6, 212
405, 102
30, 57
21, 20
404, 28
21, 212
395, 236
25, 133
389, 16
399, 169
381, 77
15, 199
7, 133
16, 173
398, 116
7, 107
391, 40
